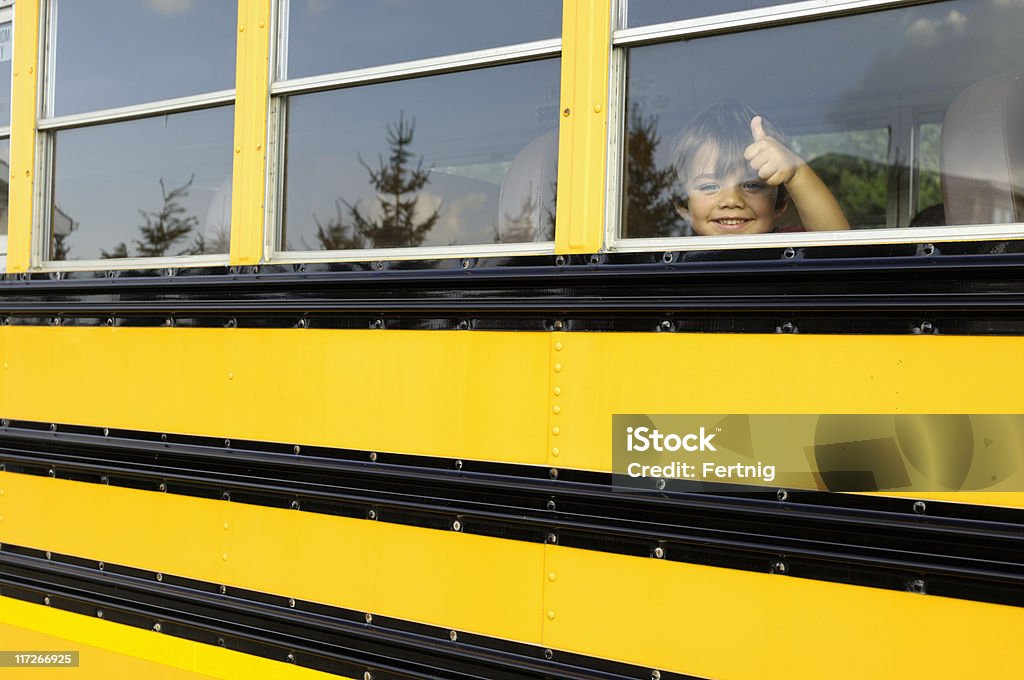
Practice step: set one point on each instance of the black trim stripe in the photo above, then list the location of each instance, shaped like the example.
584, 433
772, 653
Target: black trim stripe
948, 549
951, 288
330, 639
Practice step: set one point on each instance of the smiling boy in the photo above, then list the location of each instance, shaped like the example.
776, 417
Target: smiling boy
737, 177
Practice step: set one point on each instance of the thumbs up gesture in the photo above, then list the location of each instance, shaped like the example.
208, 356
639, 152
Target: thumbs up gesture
769, 158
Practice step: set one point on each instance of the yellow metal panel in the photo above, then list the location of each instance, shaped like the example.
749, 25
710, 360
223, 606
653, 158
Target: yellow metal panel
461, 394
583, 134
23, 135
252, 73
720, 623
667, 615
110, 650
445, 578
606, 373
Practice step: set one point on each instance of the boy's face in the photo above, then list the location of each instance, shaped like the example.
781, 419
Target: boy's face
738, 203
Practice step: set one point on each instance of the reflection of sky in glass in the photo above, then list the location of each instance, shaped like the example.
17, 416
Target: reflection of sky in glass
646, 12
339, 35
5, 164
115, 53
106, 174
860, 72
5, 78
469, 127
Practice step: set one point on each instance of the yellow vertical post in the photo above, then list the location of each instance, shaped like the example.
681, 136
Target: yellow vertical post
252, 78
24, 89
583, 132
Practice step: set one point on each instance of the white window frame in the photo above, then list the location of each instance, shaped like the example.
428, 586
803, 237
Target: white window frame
282, 87
6, 17
732, 22
49, 125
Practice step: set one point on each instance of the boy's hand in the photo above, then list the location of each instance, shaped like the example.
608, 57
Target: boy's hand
769, 158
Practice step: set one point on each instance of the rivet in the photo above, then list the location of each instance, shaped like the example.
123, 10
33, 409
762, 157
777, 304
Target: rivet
225, 496
920, 507
552, 576
160, 577
555, 431
655, 675
558, 368
368, 617
552, 539
917, 586
659, 552
779, 567
26, 173
263, 24
456, 525
660, 485
30, 69
224, 589
555, 452
782, 494
290, 658
238, 149
225, 526
291, 602
295, 505
558, 325
99, 613
49, 555
566, 112
46, 600
789, 253
241, 28
296, 449
551, 505
453, 636
224, 557
558, 347
551, 615
372, 514
557, 391
231, 376
259, 147
53, 427
221, 642
597, 108
104, 480
666, 325
458, 465
367, 675
373, 456
101, 566
556, 409
106, 432
553, 473
162, 487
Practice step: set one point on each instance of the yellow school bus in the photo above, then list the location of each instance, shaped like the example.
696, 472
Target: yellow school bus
472, 339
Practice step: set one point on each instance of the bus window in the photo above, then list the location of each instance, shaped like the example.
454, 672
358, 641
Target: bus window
139, 133
645, 12
6, 52
418, 136
860, 98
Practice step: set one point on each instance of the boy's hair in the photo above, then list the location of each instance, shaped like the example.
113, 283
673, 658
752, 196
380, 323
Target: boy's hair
724, 126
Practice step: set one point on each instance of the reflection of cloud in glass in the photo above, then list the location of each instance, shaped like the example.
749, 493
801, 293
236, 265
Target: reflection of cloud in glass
170, 8
931, 29
314, 7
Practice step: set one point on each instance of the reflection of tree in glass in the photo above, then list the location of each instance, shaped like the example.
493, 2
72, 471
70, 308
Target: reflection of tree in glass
650, 211
165, 227
523, 226
397, 186
853, 165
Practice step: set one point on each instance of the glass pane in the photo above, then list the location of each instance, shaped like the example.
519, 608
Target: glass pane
5, 173
6, 49
647, 12
113, 53
872, 120
153, 187
325, 36
398, 164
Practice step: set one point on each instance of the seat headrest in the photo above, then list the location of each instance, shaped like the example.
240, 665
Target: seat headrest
526, 204
983, 153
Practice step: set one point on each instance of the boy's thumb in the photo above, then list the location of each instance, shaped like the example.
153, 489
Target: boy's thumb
757, 128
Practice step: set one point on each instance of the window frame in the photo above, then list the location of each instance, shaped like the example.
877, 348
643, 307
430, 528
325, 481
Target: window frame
48, 126
281, 88
805, 11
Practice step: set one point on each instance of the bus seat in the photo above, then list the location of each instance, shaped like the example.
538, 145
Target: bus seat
526, 204
983, 153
